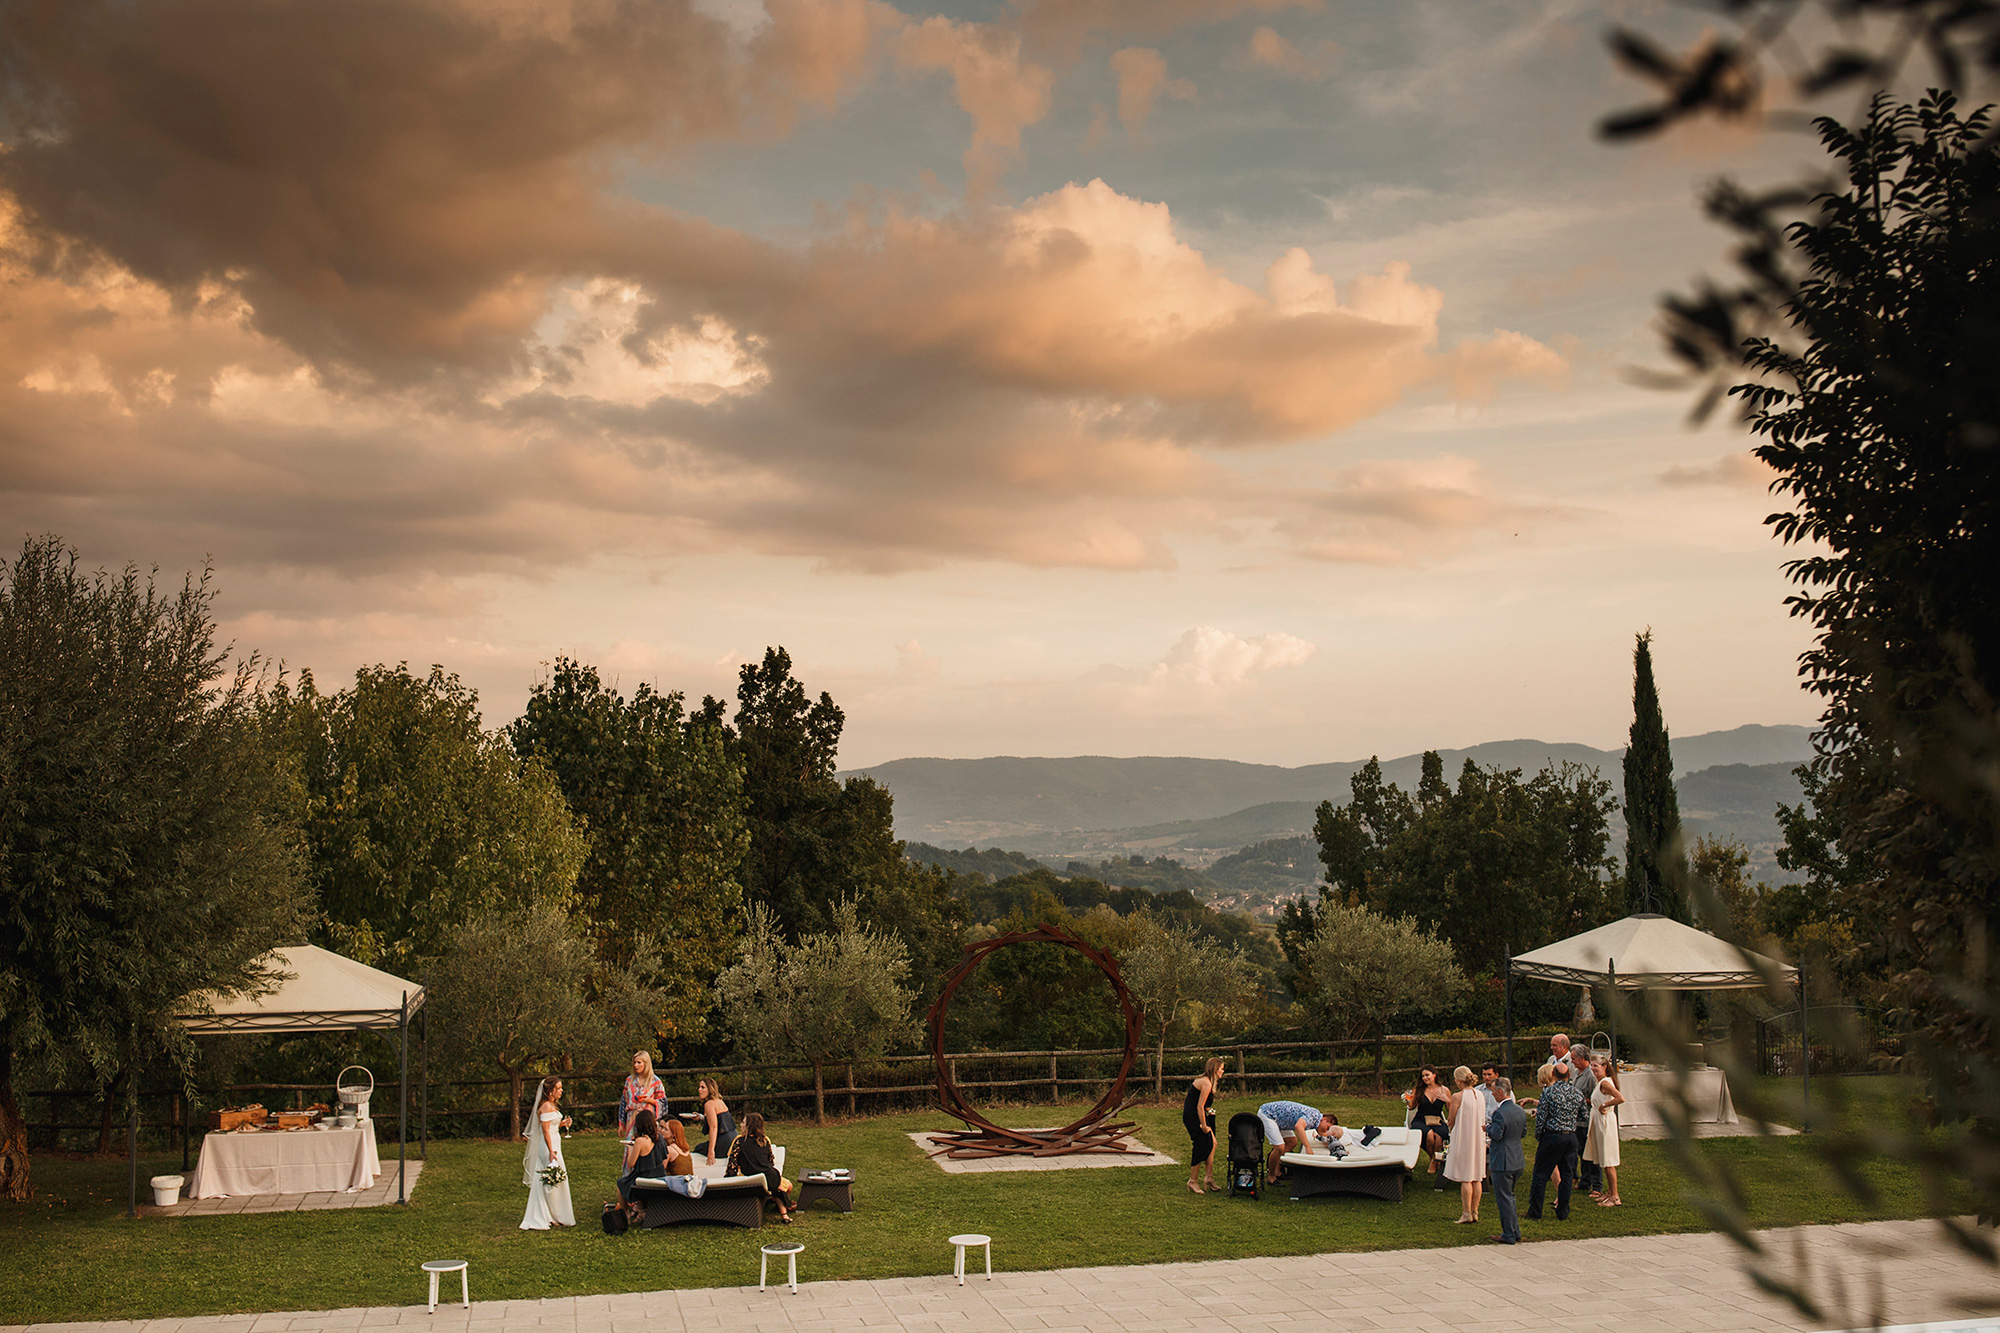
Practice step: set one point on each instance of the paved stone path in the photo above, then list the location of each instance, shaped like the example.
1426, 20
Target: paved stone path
1672, 1284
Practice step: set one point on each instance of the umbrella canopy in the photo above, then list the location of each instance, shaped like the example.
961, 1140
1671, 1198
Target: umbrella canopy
1650, 950
317, 991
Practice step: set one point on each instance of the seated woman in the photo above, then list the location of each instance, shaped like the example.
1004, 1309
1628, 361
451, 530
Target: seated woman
721, 1124
752, 1156
651, 1153
1430, 1108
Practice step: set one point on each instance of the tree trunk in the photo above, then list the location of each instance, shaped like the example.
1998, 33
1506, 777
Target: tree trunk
819, 1093
109, 1087
1380, 1041
513, 1101
13, 1135
1160, 1066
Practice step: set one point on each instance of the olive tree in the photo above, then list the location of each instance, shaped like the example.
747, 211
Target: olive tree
144, 853
1179, 977
1361, 969
836, 995
523, 991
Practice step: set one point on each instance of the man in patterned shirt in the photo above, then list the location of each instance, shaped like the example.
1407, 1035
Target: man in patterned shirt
1291, 1127
1557, 1115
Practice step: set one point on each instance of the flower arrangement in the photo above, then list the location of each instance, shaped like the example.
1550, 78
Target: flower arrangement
553, 1174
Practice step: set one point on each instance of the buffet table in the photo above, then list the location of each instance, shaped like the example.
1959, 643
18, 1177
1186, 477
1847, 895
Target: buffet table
276, 1161
1648, 1088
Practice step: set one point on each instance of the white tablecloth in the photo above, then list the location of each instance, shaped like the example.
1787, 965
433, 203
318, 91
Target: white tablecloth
276, 1161
1647, 1090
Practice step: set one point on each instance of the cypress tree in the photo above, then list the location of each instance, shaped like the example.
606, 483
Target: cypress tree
1652, 809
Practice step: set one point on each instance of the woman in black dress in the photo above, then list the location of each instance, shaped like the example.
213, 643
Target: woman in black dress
752, 1156
1198, 1116
1430, 1111
646, 1156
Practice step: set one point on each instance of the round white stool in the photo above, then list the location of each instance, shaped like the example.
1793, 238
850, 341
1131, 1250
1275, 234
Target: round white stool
965, 1243
436, 1266
791, 1251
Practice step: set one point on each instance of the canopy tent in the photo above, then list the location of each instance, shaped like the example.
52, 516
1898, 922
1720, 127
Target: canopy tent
1647, 952
316, 991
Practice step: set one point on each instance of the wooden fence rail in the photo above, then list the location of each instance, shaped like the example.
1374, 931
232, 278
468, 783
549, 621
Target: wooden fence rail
1402, 1057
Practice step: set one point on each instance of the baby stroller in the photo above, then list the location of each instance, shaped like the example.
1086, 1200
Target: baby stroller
1246, 1155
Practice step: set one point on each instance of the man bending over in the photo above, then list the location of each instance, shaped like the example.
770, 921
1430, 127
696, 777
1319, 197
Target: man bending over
1291, 1127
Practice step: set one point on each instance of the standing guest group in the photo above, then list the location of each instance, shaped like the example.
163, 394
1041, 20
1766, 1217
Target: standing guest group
1474, 1130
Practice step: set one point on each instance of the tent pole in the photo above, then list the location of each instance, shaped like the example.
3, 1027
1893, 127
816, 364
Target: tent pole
1507, 1038
1805, 1058
403, 1104
1611, 1006
424, 1078
132, 1135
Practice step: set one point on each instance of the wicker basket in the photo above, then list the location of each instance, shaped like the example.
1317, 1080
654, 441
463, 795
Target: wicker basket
354, 1095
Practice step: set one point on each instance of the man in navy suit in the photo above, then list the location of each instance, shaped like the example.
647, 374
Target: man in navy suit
1504, 1159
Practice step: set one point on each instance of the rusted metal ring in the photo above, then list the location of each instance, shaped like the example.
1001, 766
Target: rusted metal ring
952, 1101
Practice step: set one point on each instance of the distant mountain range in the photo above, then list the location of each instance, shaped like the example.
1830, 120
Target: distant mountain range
1200, 810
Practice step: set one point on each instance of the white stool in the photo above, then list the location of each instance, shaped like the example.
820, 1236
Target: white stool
790, 1250
458, 1266
964, 1243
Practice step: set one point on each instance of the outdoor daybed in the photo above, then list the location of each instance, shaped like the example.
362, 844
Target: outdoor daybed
732, 1200
1377, 1170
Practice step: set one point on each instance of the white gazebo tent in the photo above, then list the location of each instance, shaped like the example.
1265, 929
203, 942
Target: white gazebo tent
1646, 952
319, 991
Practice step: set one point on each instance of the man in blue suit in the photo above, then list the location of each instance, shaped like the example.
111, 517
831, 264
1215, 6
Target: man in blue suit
1504, 1159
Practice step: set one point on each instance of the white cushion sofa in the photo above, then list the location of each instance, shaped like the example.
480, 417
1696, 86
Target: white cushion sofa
734, 1200
1378, 1170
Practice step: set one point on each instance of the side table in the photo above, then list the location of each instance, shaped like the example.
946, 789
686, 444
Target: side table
841, 1191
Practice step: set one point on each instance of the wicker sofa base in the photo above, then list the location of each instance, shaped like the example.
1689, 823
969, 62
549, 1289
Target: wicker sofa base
728, 1205
1374, 1182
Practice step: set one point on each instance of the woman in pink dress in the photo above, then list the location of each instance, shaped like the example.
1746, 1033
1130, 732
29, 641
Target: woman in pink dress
1465, 1159
643, 1091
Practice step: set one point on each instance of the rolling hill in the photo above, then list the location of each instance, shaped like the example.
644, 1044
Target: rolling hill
1074, 807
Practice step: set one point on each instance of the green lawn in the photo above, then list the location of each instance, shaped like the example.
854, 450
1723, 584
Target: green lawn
72, 1255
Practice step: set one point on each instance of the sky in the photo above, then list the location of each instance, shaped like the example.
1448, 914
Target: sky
1248, 379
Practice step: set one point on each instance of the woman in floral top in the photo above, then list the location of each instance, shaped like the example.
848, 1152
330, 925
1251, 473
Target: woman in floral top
643, 1092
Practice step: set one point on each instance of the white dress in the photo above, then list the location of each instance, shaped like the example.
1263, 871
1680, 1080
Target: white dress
1465, 1158
546, 1203
1601, 1146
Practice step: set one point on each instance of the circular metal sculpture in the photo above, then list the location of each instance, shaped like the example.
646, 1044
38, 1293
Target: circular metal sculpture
1094, 1132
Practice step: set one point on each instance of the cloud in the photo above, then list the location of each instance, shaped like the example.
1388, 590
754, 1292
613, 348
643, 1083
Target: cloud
1065, 24
1215, 659
1207, 672
1397, 512
992, 84
388, 185
1744, 471
244, 311
1271, 50
1142, 80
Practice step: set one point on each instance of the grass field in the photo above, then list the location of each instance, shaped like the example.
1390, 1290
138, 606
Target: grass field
72, 1255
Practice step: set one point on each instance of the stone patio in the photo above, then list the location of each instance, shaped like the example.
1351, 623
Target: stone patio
1660, 1284
381, 1192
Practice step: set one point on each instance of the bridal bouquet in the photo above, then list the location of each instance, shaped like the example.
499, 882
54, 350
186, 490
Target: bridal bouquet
553, 1174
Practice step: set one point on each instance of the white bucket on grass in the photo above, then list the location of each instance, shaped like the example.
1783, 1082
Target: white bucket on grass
167, 1190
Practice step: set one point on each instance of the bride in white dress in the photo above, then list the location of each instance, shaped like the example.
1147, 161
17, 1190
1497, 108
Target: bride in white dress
546, 1203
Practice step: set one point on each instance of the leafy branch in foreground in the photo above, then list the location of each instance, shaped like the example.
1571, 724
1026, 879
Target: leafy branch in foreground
1874, 404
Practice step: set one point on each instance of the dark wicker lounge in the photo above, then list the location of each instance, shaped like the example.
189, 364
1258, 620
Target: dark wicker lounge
736, 1201
1375, 1182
